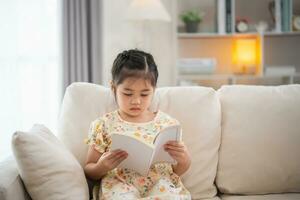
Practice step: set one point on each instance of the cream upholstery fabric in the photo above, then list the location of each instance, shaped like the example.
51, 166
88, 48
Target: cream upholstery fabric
259, 151
82, 104
286, 196
214, 198
48, 169
11, 186
197, 108
198, 111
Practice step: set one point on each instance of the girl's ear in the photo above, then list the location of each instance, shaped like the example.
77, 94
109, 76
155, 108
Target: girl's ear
112, 87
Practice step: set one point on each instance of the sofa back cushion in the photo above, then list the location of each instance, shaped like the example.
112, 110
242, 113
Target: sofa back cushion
259, 150
196, 108
198, 111
82, 104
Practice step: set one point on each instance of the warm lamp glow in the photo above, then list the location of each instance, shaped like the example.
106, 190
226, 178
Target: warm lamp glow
246, 54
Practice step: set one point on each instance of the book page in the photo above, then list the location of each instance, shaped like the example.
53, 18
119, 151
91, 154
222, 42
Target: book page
139, 153
167, 134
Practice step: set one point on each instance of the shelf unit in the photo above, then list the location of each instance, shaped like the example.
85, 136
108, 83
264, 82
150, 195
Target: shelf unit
279, 48
214, 35
234, 79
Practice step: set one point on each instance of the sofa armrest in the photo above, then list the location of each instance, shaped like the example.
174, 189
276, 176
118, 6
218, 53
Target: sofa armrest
11, 185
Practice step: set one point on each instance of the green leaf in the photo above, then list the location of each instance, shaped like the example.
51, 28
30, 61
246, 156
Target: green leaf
191, 16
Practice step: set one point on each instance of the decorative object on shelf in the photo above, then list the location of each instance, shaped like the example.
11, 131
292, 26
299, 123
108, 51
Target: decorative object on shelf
286, 15
271, 7
229, 15
275, 12
246, 55
191, 19
296, 23
280, 70
261, 26
241, 25
197, 65
142, 12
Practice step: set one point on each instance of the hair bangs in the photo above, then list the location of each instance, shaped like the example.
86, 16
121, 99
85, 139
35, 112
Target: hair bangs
135, 73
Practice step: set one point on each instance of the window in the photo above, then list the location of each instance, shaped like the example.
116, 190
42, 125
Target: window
30, 66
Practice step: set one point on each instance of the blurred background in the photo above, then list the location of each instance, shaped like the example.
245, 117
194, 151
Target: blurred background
46, 45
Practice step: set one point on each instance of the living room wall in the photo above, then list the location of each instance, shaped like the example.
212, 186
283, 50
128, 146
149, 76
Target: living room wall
120, 34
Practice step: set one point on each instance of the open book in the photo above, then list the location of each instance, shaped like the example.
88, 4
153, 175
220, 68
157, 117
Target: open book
142, 155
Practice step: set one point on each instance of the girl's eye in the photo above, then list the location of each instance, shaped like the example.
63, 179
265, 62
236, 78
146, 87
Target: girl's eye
127, 94
144, 95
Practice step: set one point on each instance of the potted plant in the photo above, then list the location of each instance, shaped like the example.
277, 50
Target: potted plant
191, 19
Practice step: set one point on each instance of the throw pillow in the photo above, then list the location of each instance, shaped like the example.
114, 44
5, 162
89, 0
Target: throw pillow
47, 167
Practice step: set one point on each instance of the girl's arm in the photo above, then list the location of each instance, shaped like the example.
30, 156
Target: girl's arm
92, 168
180, 169
180, 153
98, 164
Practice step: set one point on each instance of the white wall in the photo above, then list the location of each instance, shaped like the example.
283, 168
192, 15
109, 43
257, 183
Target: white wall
119, 35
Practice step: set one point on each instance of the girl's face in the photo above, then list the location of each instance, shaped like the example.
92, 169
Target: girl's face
134, 96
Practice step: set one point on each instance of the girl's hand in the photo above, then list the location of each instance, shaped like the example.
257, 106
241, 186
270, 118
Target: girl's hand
111, 159
179, 152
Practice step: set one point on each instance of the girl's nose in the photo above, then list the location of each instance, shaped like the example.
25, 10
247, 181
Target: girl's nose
136, 101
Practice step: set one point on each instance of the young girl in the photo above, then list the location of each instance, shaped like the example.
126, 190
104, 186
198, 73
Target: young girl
134, 78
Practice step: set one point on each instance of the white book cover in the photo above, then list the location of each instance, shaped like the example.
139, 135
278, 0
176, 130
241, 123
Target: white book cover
197, 61
233, 16
290, 25
197, 69
278, 16
221, 16
142, 155
280, 70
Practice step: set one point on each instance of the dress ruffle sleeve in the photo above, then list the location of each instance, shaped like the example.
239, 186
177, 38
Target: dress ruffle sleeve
98, 138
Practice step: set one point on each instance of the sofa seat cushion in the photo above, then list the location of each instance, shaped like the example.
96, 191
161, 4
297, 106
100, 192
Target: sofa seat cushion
285, 196
196, 108
259, 152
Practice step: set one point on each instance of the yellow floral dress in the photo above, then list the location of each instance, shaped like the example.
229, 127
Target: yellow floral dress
160, 183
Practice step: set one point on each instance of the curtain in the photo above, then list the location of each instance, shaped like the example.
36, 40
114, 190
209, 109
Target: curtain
82, 41
30, 66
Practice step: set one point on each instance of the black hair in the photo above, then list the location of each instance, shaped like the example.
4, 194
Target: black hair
134, 63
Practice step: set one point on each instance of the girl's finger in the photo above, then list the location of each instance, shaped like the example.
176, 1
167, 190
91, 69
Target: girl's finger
175, 143
118, 155
176, 154
119, 159
114, 154
175, 148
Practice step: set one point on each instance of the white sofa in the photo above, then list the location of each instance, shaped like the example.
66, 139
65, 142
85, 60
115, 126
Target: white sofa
244, 140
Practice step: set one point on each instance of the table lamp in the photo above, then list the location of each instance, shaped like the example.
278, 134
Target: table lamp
144, 11
246, 55
141, 10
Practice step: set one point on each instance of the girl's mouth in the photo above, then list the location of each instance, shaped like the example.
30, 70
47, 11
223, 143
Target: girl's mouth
135, 109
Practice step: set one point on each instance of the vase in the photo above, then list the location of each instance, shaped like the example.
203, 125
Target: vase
191, 27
